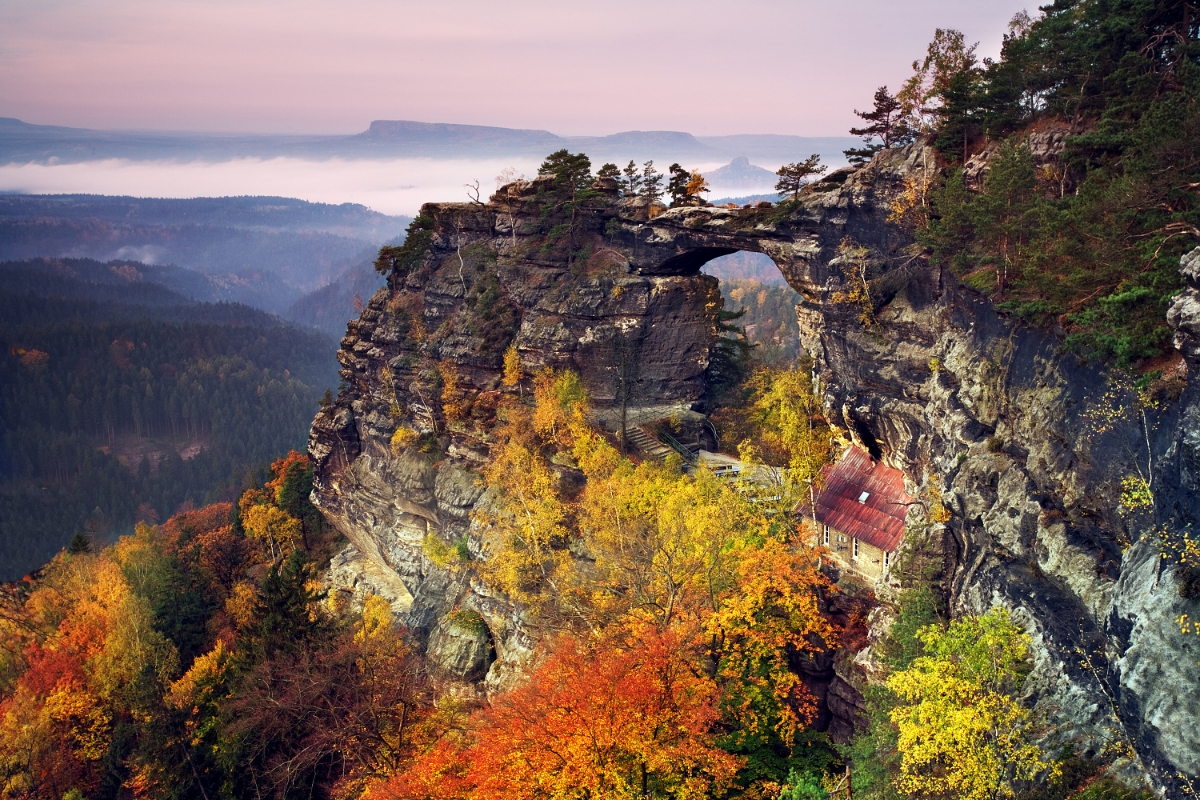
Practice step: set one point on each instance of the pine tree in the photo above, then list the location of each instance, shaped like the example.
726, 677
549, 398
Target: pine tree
651, 182
610, 171
677, 186
632, 182
793, 177
886, 123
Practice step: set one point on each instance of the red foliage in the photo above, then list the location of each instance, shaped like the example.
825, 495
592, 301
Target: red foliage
186, 525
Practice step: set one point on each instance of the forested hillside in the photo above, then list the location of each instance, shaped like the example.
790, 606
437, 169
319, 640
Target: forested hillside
266, 252
135, 401
1067, 188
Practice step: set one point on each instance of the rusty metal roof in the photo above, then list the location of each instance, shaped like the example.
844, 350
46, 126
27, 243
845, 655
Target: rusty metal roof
864, 499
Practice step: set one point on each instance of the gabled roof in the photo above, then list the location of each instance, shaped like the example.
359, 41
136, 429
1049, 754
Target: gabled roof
864, 499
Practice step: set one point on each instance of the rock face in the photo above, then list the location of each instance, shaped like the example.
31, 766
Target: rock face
1028, 447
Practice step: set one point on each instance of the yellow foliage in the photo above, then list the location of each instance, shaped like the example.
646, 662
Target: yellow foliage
278, 528
88, 722
376, 622
526, 523
134, 653
911, 205
1136, 494
197, 685
853, 260
445, 556
773, 613
962, 733
453, 406
242, 604
661, 540
512, 366
402, 437
560, 399
696, 184
938, 513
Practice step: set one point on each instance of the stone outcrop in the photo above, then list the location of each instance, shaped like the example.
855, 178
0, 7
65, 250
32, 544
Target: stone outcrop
1027, 446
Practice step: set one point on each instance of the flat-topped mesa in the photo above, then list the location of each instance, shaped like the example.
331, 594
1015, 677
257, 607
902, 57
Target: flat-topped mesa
995, 419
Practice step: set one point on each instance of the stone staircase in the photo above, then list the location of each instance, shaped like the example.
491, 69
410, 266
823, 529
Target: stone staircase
647, 444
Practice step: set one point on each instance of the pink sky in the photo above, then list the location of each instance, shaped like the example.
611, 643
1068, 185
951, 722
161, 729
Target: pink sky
738, 66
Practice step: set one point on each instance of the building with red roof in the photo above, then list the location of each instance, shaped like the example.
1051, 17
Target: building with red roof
860, 512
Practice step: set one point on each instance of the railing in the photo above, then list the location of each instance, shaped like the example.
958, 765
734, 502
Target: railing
679, 447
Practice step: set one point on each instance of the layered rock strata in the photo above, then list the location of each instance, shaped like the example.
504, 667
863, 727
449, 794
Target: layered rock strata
1027, 447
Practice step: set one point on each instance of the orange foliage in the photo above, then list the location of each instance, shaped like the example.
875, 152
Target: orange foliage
184, 526
280, 467
774, 614
616, 719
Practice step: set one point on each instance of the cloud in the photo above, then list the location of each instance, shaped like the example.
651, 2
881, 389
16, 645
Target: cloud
397, 186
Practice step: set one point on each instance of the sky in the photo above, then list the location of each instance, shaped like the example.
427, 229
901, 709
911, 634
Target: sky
575, 68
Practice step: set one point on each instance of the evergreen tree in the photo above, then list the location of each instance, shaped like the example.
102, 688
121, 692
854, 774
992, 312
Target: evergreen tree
651, 182
677, 186
793, 177
886, 124
610, 171
631, 184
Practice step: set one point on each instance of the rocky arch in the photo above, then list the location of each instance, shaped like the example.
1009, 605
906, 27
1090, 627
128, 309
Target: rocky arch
943, 385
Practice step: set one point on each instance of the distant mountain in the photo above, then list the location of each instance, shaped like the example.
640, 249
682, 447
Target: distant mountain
21, 142
426, 136
263, 251
741, 174
774, 150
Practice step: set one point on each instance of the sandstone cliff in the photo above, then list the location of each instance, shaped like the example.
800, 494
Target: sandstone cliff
1027, 446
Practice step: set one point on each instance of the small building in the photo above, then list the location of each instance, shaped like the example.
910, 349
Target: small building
860, 513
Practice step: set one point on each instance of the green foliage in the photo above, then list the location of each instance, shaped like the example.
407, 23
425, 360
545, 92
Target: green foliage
1091, 239
729, 363
887, 124
961, 728
287, 599
794, 177
609, 171
400, 259
803, 786
874, 752
677, 185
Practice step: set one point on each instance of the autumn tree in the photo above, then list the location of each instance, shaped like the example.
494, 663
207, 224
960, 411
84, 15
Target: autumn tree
756, 631
627, 717
788, 432
697, 186
963, 732
525, 525
941, 85
512, 367
885, 122
794, 177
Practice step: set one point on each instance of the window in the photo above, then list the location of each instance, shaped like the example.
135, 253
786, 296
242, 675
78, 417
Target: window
887, 558
825, 541
856, 547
